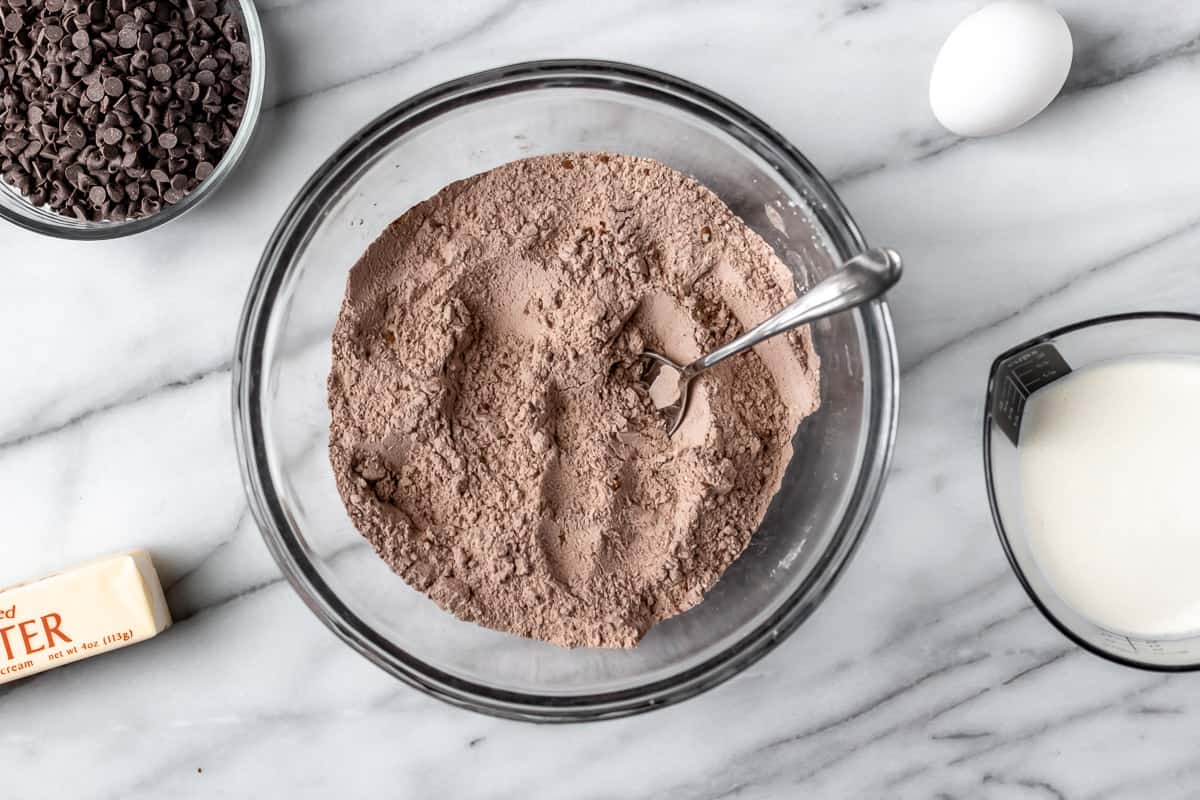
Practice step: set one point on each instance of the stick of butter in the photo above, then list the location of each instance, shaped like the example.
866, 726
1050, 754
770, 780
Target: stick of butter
80, 613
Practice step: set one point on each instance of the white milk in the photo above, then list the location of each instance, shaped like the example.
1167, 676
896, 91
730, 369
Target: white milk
1110, 471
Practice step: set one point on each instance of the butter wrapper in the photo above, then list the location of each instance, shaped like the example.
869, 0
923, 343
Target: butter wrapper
79, 613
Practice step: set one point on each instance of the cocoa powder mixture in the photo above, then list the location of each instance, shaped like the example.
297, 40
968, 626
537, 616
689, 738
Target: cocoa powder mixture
489, 435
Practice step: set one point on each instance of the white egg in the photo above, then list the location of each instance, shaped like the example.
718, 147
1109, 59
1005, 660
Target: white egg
1000, 67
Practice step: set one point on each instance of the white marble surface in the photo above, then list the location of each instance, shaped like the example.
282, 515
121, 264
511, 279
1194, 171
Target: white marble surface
926, 673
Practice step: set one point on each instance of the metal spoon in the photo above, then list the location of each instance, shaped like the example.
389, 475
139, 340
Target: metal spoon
860, 280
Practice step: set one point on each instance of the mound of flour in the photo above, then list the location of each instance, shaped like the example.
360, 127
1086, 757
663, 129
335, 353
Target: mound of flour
489, 435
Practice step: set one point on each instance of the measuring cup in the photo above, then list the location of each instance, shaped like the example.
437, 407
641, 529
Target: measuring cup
1015, 375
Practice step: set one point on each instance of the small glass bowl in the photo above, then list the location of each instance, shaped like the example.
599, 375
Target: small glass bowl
283, 357
17, 210
1014, 374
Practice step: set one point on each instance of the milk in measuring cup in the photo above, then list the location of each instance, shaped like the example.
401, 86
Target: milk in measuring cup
1110, 473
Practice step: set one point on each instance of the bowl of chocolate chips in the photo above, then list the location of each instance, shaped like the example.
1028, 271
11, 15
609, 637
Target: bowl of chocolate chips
119, 115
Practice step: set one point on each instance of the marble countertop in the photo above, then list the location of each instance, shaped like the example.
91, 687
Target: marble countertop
926, 674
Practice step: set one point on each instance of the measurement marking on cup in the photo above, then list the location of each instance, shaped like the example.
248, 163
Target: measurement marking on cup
1019, 377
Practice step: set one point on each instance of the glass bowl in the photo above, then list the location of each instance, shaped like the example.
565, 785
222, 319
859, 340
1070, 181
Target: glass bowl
1015, 375
283, 357
17, 210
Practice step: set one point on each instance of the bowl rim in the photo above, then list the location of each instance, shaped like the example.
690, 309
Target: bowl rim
292, 233
994, 503
59, 227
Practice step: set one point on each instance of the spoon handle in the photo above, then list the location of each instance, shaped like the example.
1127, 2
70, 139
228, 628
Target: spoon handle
860, 280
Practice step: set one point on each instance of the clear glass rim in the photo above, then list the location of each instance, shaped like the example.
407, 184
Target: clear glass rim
993, 503
292, 234
49, 224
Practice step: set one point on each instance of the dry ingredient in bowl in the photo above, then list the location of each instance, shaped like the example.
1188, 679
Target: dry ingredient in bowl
112, 108
489, 437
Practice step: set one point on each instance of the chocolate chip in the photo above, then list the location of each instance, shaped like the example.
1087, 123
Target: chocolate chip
128, 37
203, 170
160, 72
167, 140
114, 87
80, 39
